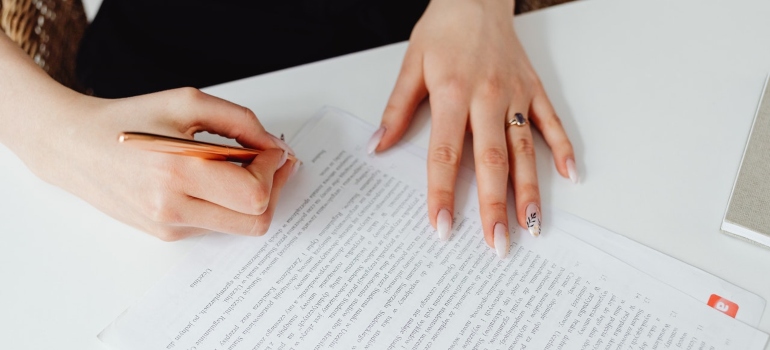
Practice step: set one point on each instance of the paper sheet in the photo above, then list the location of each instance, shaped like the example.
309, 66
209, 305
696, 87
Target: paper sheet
351, 262
686, 278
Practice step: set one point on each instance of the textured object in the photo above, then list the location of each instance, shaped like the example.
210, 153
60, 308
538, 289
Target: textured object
49, 31
748, 213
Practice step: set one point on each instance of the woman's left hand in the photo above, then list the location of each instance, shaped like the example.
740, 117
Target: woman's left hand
465, 55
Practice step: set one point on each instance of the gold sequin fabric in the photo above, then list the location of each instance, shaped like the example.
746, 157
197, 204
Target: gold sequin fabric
49, 31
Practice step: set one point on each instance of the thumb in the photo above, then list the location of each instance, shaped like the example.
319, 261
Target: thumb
409, 91
196, 111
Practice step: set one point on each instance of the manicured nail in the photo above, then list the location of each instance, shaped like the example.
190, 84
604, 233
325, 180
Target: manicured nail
501, 240
295, 169
282, 144
572, 171
444, 224
284, 157
375, 140
533, 219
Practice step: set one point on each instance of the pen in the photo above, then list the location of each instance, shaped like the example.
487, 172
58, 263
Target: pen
185, 147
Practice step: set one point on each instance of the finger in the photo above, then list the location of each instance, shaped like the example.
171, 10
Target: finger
491, 156
409, 91
139, 219
524, 173
279, 181
450, 115
544, 117
196, 111
241, 189
206, 215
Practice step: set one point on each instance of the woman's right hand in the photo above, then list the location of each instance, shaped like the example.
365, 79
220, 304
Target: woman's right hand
169, 196
70, 140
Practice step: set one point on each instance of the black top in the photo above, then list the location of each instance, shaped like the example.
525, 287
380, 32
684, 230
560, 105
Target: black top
140, 46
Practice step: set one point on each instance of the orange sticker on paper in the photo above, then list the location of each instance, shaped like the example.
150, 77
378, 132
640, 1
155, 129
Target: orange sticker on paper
727, 307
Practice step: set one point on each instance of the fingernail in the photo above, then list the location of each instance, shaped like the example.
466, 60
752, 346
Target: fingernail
295, 169
533, 219
284, 157
444, 224
501, 240
572, 171
282, 144
375, 140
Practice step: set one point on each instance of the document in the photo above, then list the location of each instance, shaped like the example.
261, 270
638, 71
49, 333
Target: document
692, 281
351, 262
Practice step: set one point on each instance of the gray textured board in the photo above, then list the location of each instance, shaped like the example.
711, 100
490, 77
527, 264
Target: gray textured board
749, 207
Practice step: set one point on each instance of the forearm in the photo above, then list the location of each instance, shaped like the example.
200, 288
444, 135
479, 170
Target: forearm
30, 100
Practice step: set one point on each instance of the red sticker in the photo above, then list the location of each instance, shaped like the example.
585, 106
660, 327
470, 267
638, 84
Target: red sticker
727, 307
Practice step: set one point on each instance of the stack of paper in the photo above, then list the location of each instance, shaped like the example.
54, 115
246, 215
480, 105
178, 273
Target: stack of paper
351, 262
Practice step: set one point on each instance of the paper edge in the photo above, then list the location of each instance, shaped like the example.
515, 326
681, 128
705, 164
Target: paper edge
738, 173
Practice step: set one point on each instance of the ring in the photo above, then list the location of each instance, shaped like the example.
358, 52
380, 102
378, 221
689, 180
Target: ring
518, 120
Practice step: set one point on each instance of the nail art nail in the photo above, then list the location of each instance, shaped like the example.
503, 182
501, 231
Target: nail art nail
375, 140
282, 144
444, 224
533, 219
284, 157
572, 171
501, 240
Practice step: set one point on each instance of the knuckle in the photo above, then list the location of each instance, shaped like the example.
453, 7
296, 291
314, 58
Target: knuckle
168, 234
496, 207
162, 211
395, 115
169, 171
495, 157
446, 155
260, 197
528, 192
553, 122
165, 215
518, 88
259, 191
190, 94
524, 147
534, 81
393, 108
493, 88
184, 105
454, 88
249, 113
564, 147
444, 197
261, 225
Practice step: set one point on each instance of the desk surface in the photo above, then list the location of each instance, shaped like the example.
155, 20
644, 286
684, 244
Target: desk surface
658, 97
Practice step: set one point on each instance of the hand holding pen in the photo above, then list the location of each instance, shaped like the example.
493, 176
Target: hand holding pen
206, 192
169, 196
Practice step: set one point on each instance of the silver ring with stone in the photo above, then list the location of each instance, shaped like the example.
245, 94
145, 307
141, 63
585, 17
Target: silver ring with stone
518, 120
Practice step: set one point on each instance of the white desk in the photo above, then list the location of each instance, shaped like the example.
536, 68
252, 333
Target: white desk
658, 97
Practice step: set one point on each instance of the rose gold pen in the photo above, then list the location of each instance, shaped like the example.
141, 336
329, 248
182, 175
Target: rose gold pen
185, 147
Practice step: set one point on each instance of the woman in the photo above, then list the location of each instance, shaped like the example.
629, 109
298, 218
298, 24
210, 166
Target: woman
463, 55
